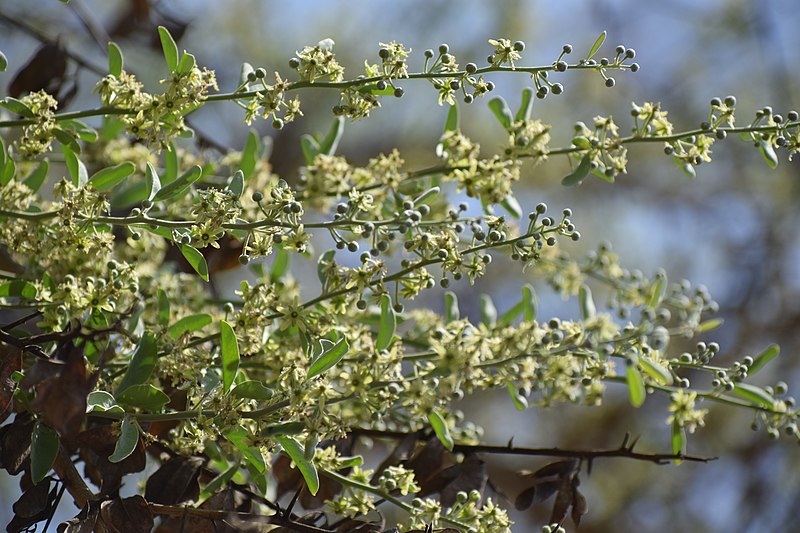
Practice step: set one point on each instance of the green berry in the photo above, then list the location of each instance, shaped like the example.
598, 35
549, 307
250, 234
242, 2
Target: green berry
610, 82
567, 49
444, 48
561, 66
261, 73
730, 101
519, 46
471, 68
398, 92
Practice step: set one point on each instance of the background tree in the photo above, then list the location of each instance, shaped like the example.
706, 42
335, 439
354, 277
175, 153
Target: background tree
755, 261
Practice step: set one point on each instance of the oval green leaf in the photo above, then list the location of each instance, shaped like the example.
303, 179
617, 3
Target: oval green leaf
153, 181
660, 374
754, 394
127, 441
388, 324
588, 309
169, 47
249, 155
229, 351
19, 289
501, 110
36, 178
115, 61
488, 311
102, 401
329, 358
636, 390
236, 184
526, 107
252, 390
44, 448
597, 44
451, 123
3, 62
186, 63
108, 178
296, 452
439, 426
76, 168
770, 352
144, 396
142, 363
188, 324
195, 258
529, 303
330, 143
768, 153
180, 185
451, 311
579, 174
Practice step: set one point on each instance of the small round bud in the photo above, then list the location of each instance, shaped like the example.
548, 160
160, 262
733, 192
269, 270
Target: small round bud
791, 116
730, 101
561, 66
547, 221
630, 53
444, 283
398, 308
668, 149
567, 48
352, 246
716, 101
490, 58
519, 46
257, 196
634, 67
471, 68
777, 118
468, 98
444, 48
135, 235
277, 123
557, 88
251, 77
261, 73
766, 110
721, 134
490, 86
576, 236
361, 304
340, 245
380, 85
398, 92
341, 208
447, 58
244, 259
610, 82
705, 126
455, 85
294, 62
383, 53
428, 53
551, 241
620, 49
541, 207
604, 62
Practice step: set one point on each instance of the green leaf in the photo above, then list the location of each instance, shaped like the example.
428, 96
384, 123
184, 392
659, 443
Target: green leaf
180, 185
76, 168
144, 396
102, 401
529, 303
388, 323
19, 289
678, 441
127, 442
657, 291
329, 358
84, 131
170, 165
330, 143
433, 191
236, 184
246, 69
754, 394
451, 123
9, 170
770, 352
526, 107
325, 258
240, 438
708, 325
115, 61
108, 178
520, 401
220, 480
142, 363
296, 452
280, 265
17, 107
310, 148
36, 178
44, 448
249, 155
660, 374
253, 390
636, 390
188, 324
129, 195
768, 153
229, 351
451, 312
488, 311
67, 138
152, 180
597, 44
686, 168
511, 205
579, 174
169, 47
3, 62
588, 309
186, 63
283, 428
501, 110
196, 259
439, 426
509, 316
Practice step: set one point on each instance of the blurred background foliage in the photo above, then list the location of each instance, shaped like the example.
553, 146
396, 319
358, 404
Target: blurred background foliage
733, 228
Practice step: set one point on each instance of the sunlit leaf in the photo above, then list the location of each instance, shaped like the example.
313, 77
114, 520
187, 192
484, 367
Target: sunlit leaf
451, 123
36, 178
451, 312
501, 110
180, 185
388, 324
115, 61
108, 178
153, 181
754, 394
526, 107
520, 401
529, 303
636, 389
329, 358
229, 350
142, 363
660, 374
196, 259
295, 451
488, 311
169, 47
144, 396
768, 153
249, 155
76, 168
588, 309
240, 438
251, 389
128, 439
579, 174
597, 44
678, 441
439, 425
708, 325
330, 142
770, 352
236, 184
188, 324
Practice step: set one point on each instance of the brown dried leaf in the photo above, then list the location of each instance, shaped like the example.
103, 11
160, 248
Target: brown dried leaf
558, 468
35, 504
562, 503
84, 522
128, 515
45, 71
61, 400
472, 476
10, 362
579, 507
525, 498
400, 453
15, 443
175, 482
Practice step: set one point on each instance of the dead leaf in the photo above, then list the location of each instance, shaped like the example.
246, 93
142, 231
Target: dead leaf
175, 482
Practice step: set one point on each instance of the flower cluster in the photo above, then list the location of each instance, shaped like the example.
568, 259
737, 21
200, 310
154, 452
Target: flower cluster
36, 138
